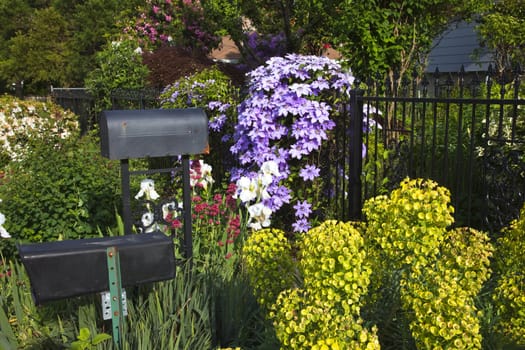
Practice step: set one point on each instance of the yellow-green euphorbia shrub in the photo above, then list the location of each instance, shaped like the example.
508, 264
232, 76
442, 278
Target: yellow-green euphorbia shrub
441, 269
509, 295
322, 311
407, 248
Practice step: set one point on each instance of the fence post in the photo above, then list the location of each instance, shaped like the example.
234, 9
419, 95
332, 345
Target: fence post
356, 158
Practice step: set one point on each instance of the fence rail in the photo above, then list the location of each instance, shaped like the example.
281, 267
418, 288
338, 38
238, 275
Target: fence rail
467, 135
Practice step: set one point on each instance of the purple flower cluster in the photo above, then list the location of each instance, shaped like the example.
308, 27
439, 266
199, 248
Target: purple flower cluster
286, 118
262, 48
208, 89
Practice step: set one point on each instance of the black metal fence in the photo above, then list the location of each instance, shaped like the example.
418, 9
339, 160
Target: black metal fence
88, 107
465, 132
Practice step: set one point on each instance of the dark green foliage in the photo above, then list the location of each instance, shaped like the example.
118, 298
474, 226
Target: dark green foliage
60, 191
118, 66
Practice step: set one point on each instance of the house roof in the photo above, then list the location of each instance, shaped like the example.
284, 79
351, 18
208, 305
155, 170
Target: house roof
459, 46
227, 51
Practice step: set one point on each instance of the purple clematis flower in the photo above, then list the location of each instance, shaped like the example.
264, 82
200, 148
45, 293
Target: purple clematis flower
309, 172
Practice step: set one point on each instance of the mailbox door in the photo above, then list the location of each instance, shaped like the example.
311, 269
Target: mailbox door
64, 269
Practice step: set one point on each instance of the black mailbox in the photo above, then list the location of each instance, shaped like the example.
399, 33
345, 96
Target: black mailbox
71, 268
128, 134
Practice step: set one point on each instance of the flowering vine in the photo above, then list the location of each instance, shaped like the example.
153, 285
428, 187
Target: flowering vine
214, 92
288, 117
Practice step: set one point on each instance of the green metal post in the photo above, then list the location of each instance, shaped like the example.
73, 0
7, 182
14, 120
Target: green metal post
115, 292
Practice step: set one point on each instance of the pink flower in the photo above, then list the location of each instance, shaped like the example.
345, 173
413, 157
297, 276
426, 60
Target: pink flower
168, 18
176, 224
156, 9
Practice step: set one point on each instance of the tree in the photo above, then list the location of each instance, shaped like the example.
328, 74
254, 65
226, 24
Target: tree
375, 36
91, 23
13, 14
378, 37
304, 25
38, 57
502, 29
44, 42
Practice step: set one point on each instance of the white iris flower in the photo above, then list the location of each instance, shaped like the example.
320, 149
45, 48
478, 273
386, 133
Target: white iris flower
147, 188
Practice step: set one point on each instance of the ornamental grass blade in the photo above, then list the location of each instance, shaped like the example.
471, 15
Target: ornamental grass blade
16, 277
7, 336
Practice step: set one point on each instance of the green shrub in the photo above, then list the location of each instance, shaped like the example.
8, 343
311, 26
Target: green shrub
119, 66
268, 259
432, 274
509, 295
60, 191
323, 311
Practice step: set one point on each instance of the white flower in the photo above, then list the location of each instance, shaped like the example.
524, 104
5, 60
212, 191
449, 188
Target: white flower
247, 189
264, 180
3, 232
270, 168
201, 175
171, 207
138, 50
147, 188
147, 221
260, 214
206, 178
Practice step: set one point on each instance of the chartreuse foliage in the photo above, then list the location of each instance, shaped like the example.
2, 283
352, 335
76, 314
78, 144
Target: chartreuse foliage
442, 294
441, 270
323, 313
404, 279
268, 257
509, 295
410, 224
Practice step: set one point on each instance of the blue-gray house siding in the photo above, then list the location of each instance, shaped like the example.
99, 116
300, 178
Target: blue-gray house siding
459, 46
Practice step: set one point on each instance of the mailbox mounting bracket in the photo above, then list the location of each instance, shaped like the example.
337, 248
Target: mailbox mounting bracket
105, 299
115, 294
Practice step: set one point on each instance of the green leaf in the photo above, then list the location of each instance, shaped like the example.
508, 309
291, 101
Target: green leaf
84, 334
99, 338
5, 344
78, 345
6, 334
